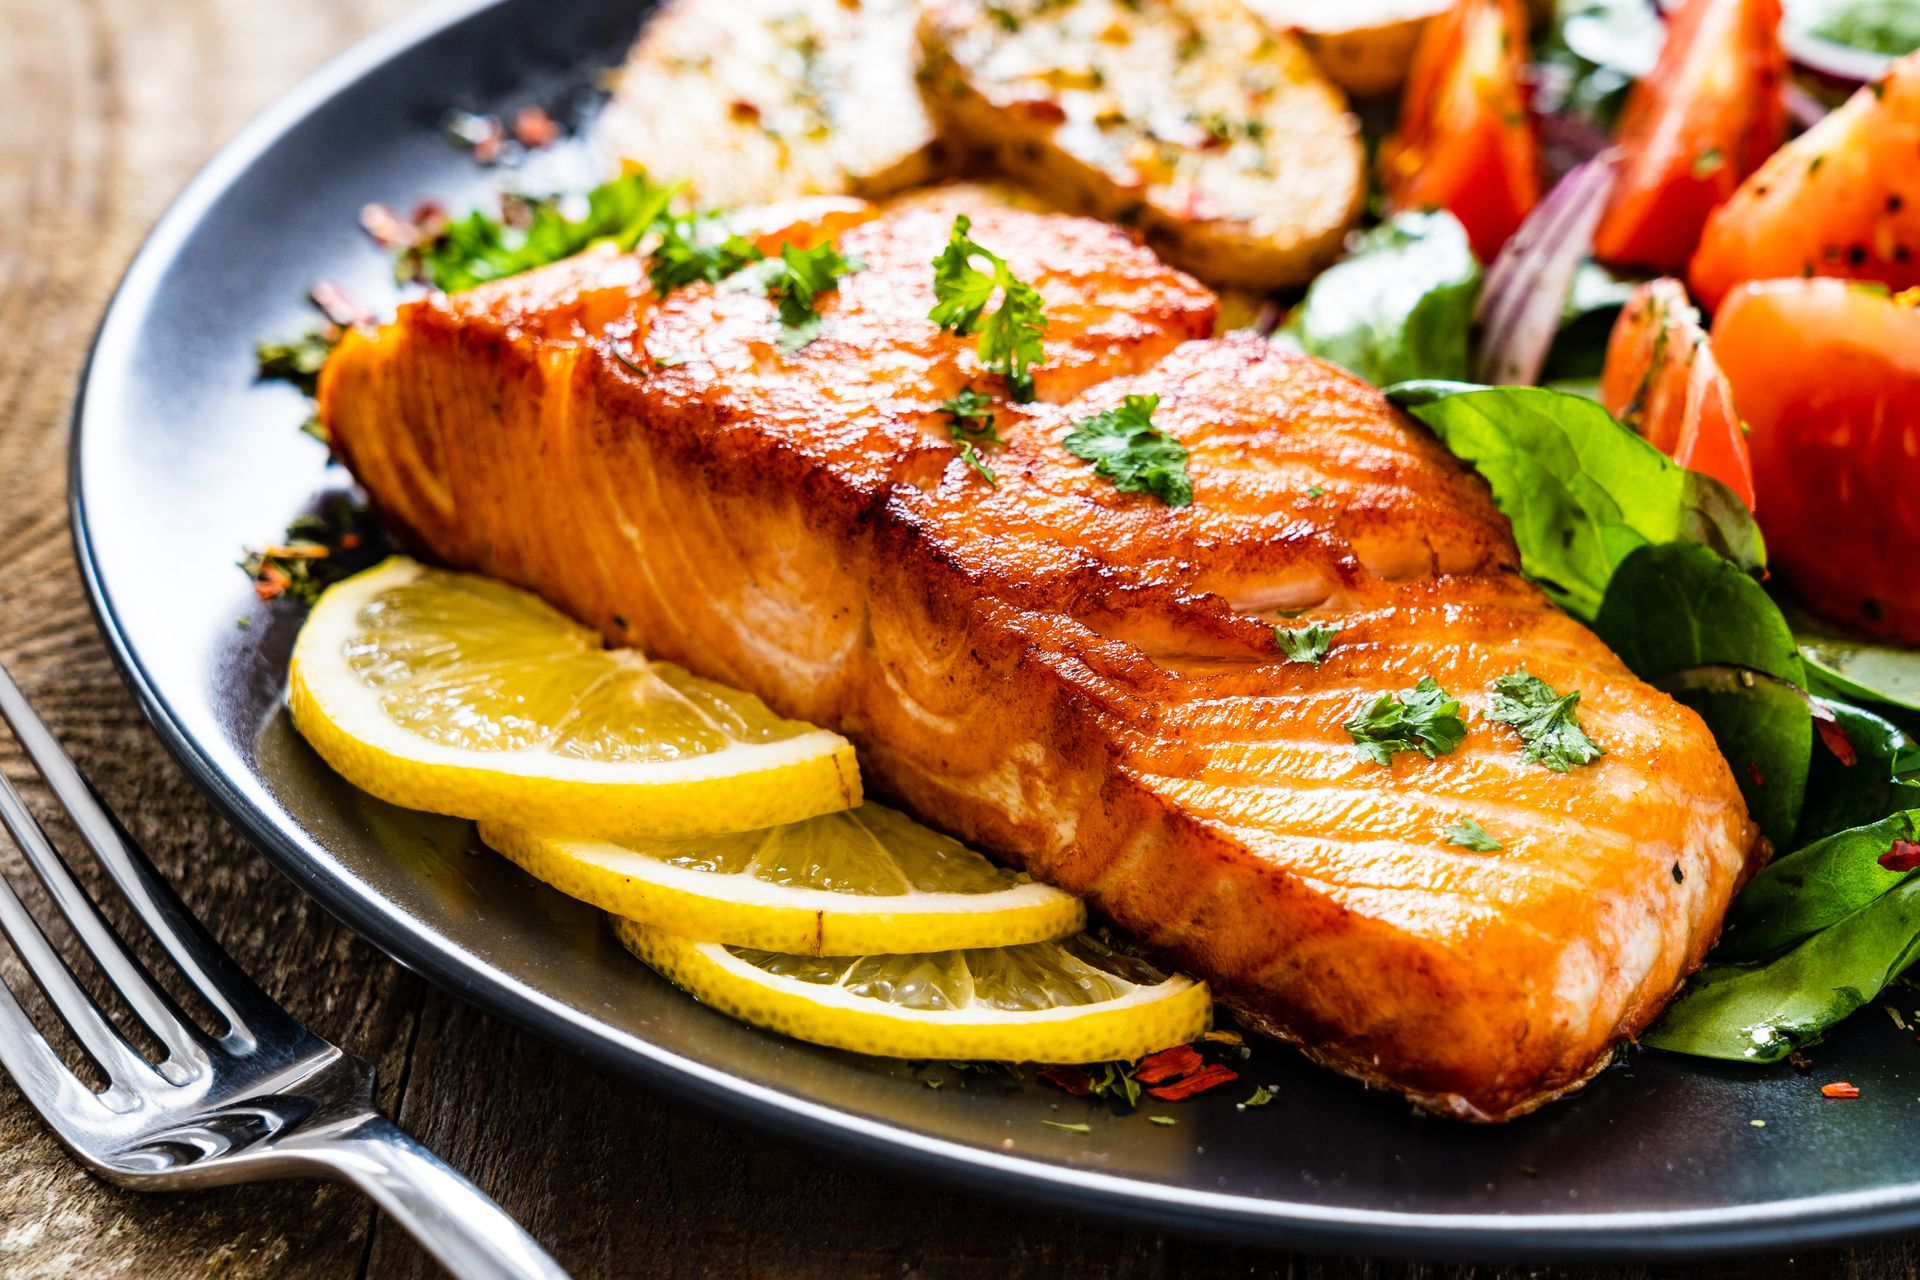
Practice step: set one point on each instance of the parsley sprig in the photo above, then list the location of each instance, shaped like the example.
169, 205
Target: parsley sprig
1547, 721
1308, 644
1425, 718
795, 280
1010, 337
1125, 447
532, 231
696, 247
1469, 834
970, 421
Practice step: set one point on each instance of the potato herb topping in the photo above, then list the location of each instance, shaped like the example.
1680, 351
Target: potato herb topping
1010, 336
1425, 718
1125, 447
1546, 721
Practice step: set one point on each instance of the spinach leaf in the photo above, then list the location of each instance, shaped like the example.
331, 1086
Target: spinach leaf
1762, 1012
1399, 307
1679, 605
1861, 781
1596, 49
1859, 670
1891, 27
1813, 888
1582, 491
1764, 728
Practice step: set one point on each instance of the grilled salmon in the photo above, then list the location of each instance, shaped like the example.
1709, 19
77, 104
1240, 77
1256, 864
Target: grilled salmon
1084, 680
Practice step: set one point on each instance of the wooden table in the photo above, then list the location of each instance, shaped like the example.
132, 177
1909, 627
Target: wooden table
106, 107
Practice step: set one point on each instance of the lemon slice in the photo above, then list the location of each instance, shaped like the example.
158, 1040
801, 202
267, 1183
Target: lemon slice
456, 694
843, 884
1075, 1000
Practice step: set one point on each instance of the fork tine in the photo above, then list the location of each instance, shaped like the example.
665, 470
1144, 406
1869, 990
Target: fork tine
134, 984
55, 1092
102, 1041
200, 959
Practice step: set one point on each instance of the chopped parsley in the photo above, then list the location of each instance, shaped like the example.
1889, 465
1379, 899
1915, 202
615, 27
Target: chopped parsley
1010, 335
1162, 1120
970, 420
532, 231
298, 360
696, 248
1064, 1127
336, 541
1261, 1097
1546, 721
795, 280
1425, 718
1305, 644
1469, 834
1125, 447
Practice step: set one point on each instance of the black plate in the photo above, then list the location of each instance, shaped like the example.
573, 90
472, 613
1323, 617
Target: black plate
179, 459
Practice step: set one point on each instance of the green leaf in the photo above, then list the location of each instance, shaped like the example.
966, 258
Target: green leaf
1680, 605
1593, 53
1860, 670
1841, 794
1305, 644
1125, 447
1548, 721
1399, 307
1581, 491
1426, 718
697, 248
541, 229
1763, 1012
1469, 834
1814, 888
1764, 728
1010, 337
795, 280
297, 360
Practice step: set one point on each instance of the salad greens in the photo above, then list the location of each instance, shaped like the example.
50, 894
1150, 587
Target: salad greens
1582, 492
533, 231
1592, 55
1891, 27
1399, 306
1661, 562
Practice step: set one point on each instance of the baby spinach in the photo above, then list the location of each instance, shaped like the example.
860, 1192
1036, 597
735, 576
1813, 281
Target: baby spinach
1762, 1012
1859, 670
1812, 888
1582, 492
1399, 306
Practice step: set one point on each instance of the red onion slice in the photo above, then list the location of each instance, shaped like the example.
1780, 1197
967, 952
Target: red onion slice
1528, 283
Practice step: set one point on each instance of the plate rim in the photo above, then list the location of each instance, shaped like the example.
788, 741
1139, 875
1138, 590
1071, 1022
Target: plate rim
1831, 1219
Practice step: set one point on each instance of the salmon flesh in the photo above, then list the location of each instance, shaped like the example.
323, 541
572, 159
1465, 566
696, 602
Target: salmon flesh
1083, 680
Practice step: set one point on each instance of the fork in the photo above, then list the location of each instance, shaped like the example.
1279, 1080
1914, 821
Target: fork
265, 1098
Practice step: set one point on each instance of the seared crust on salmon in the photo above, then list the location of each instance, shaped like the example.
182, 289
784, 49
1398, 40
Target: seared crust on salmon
1082, 679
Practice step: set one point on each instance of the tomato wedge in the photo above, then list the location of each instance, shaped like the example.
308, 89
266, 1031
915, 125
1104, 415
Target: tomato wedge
1466, 141
1827, 374
1662, 381
1842, 199
1705, 118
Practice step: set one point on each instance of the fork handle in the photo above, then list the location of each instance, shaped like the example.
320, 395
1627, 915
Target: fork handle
455, 1221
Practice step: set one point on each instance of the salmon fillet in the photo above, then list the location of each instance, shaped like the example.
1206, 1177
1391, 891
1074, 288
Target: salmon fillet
1084, 680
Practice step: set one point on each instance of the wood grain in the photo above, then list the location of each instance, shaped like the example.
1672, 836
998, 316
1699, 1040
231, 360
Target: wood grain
108, 106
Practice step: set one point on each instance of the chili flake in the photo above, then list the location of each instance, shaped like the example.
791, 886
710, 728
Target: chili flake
1840, 1089
1199, 1082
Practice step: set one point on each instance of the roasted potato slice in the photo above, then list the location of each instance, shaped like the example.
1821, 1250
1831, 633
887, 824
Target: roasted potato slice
759, 100
1191, 120
1365, 45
